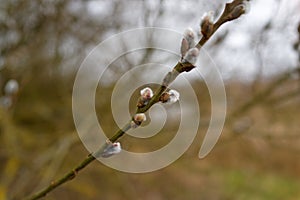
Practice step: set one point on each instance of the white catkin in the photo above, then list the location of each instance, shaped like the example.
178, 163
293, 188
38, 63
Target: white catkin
192, 56
11, 87
174, 96
146, 93
189, 35
111, 149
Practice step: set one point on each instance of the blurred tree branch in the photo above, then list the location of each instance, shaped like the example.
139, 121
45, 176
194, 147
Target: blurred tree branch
262, 96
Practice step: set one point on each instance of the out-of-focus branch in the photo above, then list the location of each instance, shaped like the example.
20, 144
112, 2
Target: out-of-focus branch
284, 97
262, 96
232, 11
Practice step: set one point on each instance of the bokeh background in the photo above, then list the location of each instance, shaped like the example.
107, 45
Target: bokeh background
42, 44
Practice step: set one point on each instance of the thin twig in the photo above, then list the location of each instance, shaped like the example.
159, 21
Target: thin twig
232, 11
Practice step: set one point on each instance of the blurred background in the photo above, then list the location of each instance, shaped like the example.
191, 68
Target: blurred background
43, 43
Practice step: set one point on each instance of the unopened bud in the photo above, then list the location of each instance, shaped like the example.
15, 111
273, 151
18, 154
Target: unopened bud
189, 35
11, 87
170, 97
164, 97
138, 119
184, 47
146, 95
192, 56
207, 24
239, 10
174, 96
111, 149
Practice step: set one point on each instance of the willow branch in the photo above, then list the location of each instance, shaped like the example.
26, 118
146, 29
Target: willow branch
231, 11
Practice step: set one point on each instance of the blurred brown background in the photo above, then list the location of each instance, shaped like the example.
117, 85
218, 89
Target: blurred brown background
42, 44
